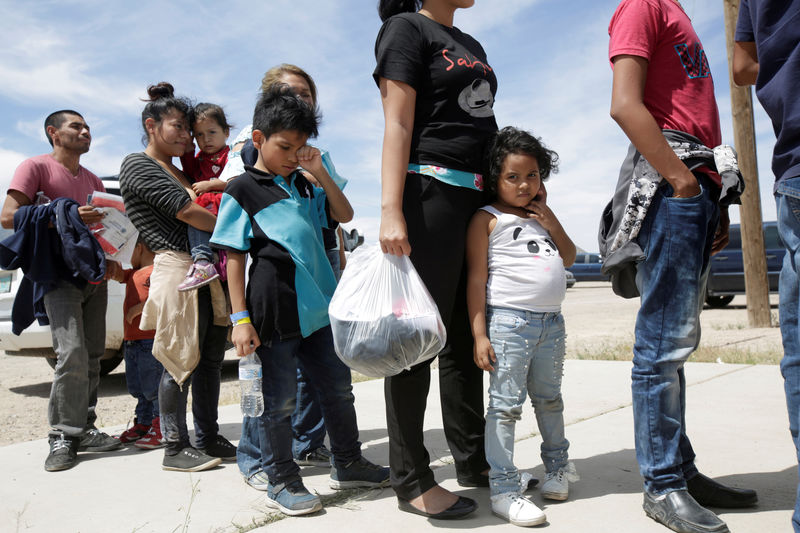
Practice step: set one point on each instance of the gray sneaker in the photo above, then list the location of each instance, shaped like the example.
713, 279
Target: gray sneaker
319, 457
95, 440
189, 460
63, 453
358, 473
556, 484
292, 499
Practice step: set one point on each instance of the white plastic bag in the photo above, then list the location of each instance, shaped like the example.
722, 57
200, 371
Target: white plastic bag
382, 317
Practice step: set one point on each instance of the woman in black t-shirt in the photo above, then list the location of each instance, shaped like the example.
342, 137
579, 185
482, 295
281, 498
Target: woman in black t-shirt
437, 90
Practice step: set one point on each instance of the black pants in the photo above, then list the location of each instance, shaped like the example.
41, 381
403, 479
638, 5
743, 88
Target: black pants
437, 216
205, 383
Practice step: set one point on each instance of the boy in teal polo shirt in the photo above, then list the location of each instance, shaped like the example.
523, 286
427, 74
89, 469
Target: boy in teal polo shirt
274, 213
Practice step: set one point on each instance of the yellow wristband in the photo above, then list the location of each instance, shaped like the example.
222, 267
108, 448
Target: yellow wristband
245, 320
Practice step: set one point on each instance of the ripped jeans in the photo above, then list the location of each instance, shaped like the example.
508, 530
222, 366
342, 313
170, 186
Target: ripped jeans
529, 347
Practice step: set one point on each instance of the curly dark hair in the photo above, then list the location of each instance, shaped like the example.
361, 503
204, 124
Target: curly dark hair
511, 140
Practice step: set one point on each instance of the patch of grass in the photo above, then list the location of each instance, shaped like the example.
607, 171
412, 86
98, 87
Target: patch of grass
729, 326
623, 351
184, 528
347, 499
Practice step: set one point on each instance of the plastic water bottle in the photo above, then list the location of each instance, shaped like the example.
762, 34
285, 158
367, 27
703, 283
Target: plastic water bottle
250, 383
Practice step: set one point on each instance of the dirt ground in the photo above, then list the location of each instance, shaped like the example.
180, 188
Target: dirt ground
598, 323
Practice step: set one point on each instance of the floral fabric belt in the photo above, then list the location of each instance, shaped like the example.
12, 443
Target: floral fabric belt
458, 178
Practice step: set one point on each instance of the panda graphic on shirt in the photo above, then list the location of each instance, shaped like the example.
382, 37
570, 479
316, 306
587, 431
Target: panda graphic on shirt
538, 246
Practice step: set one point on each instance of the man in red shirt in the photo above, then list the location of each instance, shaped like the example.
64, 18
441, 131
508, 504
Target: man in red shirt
77, 315
663, 86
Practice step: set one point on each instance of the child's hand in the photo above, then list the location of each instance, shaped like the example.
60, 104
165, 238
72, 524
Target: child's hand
310, 158
245, 338
484, 354
114, 271
541, 213
201, 187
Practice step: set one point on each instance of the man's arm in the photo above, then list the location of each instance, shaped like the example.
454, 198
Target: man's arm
14, 200
629, 111
745, 63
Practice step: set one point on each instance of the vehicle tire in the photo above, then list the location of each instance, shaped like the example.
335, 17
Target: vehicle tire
718, 301
108, 364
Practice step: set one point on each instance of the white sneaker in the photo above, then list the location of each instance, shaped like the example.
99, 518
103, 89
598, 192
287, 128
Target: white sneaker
556, 484
517, 509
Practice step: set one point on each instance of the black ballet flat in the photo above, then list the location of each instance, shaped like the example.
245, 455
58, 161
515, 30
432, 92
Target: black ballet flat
460, 509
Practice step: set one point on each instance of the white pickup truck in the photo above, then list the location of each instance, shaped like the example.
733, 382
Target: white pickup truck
36, 339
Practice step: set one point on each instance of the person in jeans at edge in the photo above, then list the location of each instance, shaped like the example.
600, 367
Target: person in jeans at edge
77, 315
438, 119
767, 53
662, 81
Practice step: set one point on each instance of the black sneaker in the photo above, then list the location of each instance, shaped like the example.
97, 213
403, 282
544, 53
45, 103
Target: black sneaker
318, 457
189, 460
222, 448
357, 474
95, 440
63, 453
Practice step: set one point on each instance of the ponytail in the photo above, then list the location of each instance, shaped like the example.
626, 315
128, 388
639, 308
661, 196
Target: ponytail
388, 8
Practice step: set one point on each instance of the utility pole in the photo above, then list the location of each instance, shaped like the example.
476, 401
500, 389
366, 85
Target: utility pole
753, 253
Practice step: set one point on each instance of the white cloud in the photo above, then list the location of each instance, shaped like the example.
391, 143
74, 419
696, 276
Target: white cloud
9, 161
33, 129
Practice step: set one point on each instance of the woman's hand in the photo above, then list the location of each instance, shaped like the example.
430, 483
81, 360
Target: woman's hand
393, 234
484, 354
245, 338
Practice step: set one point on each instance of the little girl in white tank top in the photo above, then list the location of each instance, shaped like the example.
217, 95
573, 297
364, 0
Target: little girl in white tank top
516, 254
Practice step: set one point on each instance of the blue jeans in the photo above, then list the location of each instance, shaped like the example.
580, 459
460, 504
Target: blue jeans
307, 422
676, 237
199, 244
78, 326
787, 199
266, 441
142, 375
308, 425
529, 348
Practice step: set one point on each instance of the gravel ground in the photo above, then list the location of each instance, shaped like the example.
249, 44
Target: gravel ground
595, 319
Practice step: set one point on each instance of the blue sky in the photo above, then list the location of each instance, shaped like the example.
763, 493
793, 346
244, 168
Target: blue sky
550, 57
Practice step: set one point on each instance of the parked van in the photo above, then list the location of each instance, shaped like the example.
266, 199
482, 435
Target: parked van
726, 277
587, 267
